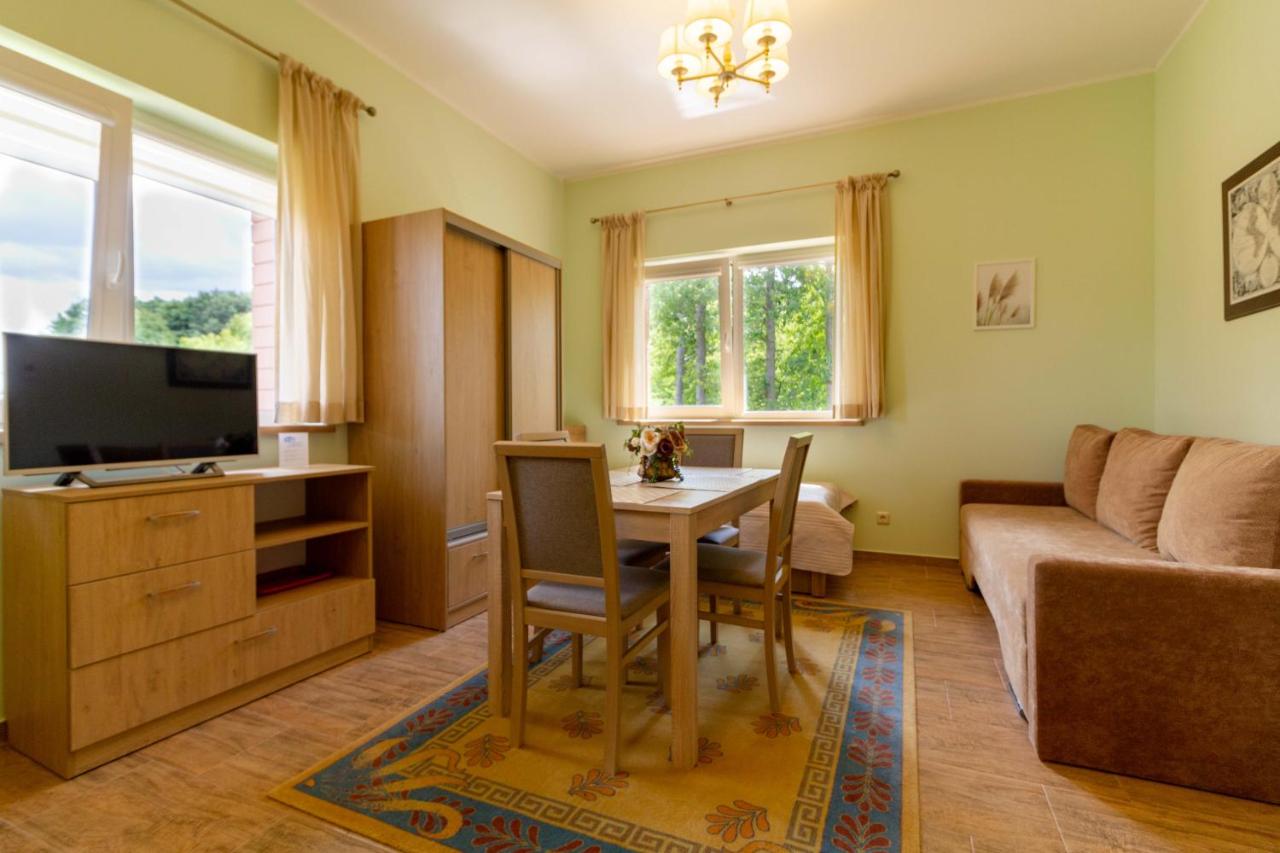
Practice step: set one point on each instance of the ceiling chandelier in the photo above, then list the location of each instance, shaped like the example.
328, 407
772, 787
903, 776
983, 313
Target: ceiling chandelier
700, 50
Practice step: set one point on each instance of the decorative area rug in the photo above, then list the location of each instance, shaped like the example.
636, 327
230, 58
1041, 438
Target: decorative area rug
835, 770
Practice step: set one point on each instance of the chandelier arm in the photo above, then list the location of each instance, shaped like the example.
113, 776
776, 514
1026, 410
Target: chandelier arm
689, 78
712, 54
753, 58
756, 80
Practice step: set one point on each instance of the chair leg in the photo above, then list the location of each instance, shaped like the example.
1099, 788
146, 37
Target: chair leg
519, 688
788, 630
715, 633
664, 655
613, 706
770, 661
577, 660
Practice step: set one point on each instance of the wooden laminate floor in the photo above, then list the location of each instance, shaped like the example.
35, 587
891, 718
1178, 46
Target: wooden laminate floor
981, 787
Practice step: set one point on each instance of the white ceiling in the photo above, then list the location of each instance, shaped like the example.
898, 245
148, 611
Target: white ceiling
572, 84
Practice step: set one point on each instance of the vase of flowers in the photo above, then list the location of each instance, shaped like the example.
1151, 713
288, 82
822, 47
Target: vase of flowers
660, 449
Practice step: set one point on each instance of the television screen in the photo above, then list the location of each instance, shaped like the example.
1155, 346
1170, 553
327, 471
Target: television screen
73, 404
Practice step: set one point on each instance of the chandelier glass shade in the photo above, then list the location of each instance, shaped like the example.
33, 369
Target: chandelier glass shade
700, 51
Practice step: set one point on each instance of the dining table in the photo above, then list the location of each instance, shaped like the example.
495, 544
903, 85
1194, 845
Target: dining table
675, 512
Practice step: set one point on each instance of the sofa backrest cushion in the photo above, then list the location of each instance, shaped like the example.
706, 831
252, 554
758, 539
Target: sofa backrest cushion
1086, 459
1224, 506
1140, 469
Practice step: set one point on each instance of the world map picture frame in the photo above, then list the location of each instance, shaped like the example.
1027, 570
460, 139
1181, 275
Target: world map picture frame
1251, 237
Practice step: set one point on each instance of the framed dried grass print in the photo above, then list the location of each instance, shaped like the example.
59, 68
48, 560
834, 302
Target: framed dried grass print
1004, 295
1251, 236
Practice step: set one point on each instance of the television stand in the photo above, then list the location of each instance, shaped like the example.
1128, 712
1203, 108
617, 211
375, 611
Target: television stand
197, 472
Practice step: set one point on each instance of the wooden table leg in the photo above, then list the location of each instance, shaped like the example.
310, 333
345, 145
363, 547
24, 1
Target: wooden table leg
684, 643
499, 617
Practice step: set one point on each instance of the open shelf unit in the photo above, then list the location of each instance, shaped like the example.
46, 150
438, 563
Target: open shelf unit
319, 519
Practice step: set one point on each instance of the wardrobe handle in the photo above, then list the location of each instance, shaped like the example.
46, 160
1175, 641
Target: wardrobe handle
185, 587
266, 632
165, 516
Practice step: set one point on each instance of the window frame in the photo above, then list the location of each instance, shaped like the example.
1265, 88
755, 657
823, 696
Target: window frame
111, 254
729, 267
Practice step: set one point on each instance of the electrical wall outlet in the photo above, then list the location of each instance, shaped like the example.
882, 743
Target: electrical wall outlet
883, 517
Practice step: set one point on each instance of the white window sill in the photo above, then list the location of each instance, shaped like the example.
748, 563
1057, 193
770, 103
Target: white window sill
775, 421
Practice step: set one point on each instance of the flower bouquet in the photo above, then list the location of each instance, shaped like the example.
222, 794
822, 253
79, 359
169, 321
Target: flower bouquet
660, 449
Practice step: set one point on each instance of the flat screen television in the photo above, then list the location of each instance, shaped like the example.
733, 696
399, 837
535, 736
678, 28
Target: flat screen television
79, 405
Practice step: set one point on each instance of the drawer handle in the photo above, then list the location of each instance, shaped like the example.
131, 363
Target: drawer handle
479, 556
165, 516
264, 633
189, 586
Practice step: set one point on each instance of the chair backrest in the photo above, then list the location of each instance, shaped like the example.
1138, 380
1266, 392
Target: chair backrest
787, 495
715, 447
558, 512
560, 436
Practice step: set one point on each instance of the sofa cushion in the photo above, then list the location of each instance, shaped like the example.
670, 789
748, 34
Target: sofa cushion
1224, 506
1086, 458
997, 543
1140, 469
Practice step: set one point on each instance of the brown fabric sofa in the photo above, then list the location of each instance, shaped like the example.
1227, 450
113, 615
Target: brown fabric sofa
1155, 653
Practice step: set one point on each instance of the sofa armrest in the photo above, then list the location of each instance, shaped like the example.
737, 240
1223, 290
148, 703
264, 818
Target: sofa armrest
1168, 671
1024, 492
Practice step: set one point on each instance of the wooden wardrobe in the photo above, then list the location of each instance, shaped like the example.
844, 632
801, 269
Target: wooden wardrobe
462, 349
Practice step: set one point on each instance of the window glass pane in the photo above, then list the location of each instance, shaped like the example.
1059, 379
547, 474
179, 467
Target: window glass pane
46, 238
789, 311
684, 342
193, 269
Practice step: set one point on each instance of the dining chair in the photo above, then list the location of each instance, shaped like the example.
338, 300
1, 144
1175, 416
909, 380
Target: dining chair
717, 447
558, 436
631, 552
761, 577
558, 517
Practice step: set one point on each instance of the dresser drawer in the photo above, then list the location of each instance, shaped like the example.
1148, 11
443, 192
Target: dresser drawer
115, 695
122, 535
468, 571
125, 613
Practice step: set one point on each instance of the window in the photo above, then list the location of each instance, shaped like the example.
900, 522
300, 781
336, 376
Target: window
204, 256
746, 336
62, 201
199, 270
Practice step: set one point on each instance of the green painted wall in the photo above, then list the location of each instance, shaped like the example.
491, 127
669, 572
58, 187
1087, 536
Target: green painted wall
1064, 177
418, 153
1216, 109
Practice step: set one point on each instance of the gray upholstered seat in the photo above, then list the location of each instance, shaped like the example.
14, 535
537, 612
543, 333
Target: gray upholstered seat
737, 566
725, 534
641, 552
636, 588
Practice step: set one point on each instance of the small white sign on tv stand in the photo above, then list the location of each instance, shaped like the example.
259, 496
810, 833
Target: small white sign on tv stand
295, 451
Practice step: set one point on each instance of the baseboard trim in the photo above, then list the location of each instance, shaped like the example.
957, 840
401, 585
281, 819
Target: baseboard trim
897, 557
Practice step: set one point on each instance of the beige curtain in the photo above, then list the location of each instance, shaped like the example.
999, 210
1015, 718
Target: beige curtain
319, 374
624, 362
859, 385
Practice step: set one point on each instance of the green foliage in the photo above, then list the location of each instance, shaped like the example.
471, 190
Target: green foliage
237, 336
207, 313
789, 314
72, 321
211, 319
678, 311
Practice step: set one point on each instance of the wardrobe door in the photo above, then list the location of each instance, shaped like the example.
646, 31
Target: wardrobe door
475, 362
533, 323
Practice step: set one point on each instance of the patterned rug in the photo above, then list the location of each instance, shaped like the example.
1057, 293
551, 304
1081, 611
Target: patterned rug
836, 770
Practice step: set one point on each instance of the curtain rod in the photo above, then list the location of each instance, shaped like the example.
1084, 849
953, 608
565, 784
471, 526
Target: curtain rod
728, 201
213, 22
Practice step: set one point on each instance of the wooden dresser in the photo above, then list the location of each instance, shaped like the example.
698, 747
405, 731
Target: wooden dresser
462, 349
131, 612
